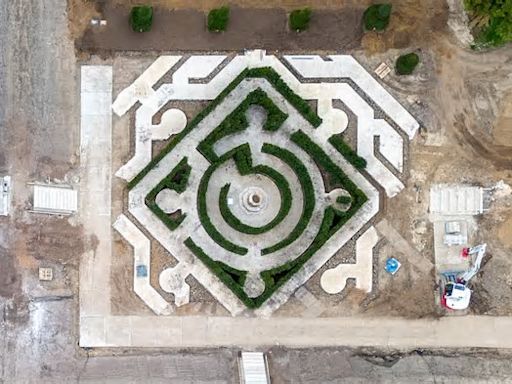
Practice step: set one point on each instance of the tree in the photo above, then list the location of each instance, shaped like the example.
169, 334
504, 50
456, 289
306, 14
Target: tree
497, 17
218, 19
376, 17
141, 18
405, 64
299, 19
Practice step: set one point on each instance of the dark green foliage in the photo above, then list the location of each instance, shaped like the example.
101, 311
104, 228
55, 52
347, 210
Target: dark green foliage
141, 18
233, 278
298, 102
337, 175
236, 121
286, 201
202, 208
299, 19
348, 153
376, 17
265, 72
344, 199
498, 29
196, 120
176, 180
307, 189
218, 19
405, 64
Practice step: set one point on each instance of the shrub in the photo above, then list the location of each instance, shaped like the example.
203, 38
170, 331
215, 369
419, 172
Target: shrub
202, 205
284, 191
298, 102
299, 19
376, 17
176, 180
497, 16
343, 199
308, 192
218, 19
265, 72
141, 18
405, 64
348, 153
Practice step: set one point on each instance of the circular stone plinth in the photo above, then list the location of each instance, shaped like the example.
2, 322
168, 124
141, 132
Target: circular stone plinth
253, 199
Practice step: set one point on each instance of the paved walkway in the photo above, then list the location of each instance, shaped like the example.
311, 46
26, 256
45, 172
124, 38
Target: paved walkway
381, 332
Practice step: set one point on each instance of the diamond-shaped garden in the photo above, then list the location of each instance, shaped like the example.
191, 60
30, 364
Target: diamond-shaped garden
250, 190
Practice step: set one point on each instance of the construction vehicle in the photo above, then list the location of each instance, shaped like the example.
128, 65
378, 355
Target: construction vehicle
456, 293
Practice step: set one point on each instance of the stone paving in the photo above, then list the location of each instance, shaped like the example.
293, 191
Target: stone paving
253, 199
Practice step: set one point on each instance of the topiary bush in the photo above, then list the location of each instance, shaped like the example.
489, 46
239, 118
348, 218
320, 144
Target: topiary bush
141, 18
405, 64
376, 17
299, 19
218, 19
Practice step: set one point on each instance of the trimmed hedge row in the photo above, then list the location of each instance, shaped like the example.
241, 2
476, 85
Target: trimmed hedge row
317, 153
298, 102
196, 120
202, 209
224, 272
348, 153
176, 180
236, 121
307, 189
265, 72
286, 202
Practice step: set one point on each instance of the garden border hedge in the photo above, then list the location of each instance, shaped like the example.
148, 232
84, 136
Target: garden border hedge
169, 182
266, 72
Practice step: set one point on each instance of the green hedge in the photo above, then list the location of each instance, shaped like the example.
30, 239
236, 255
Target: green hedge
348, 153
337, 174
141, 18
202, 206
232, 278
218, 19
286, 202
236, 121
406, 64
177, 180
307, 189
299, 19
299, 103
265, 72
376, 17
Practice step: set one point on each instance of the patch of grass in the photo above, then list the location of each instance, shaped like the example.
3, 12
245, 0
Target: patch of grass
298, 102
141, 18
376, 17
218, 19
299, 19
406, 64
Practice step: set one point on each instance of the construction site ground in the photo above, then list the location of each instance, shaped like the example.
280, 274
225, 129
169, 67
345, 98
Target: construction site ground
462, 98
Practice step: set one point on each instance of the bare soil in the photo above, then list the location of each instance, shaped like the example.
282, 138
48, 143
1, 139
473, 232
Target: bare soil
249, 28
